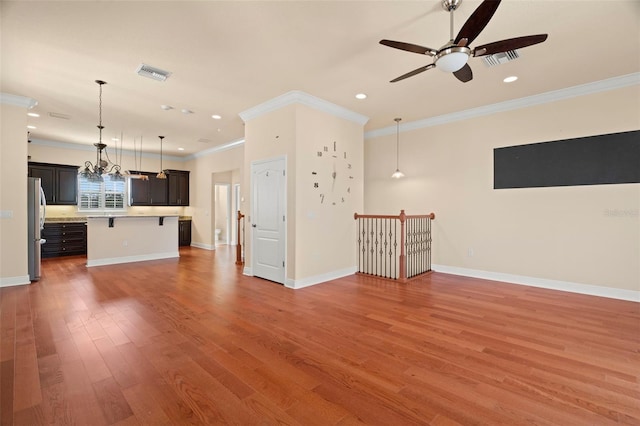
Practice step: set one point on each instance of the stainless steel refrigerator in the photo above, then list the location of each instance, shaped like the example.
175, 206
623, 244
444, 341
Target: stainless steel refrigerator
36, 210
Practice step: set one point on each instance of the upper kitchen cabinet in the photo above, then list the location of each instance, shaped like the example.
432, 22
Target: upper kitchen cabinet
150, 192
178, 187
59, 182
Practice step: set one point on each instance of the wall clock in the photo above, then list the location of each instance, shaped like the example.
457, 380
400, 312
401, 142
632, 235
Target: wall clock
333, 176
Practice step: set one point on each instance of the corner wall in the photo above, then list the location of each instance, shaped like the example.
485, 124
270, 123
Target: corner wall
569, 238
13, 195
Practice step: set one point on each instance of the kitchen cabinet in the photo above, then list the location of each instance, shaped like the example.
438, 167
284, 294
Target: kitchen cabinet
150, 192
184, 232
178, 187
59, 182
64, 239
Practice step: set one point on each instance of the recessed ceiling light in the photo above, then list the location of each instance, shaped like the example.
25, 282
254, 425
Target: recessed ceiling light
216, 117
166, 107
186, 111
361, 96
510, 79
33, 114
180, 149
31, 127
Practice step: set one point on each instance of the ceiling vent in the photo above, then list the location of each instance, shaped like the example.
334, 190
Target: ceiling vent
204, 140
152, 72
500, 58
59, 115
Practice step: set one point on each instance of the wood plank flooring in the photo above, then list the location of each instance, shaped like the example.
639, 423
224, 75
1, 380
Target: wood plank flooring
193, 341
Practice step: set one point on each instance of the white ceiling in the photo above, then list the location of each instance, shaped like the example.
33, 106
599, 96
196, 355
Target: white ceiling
229, 56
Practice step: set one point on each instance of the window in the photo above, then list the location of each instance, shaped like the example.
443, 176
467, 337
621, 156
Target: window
107, 195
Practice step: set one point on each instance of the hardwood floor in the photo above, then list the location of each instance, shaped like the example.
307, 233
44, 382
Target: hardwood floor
193, 341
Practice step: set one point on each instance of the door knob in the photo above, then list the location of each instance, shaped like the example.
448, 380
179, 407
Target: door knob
254, 225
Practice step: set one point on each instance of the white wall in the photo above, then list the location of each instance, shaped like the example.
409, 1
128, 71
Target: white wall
13, 194
131, 239
266, 137
204, 169
320, 236
325, 232
560, 236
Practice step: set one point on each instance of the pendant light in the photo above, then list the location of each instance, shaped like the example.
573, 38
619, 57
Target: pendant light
95, 171
162, 174
397, 174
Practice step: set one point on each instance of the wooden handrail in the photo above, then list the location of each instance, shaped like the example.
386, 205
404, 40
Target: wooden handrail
406, 261
431, 216
239, 259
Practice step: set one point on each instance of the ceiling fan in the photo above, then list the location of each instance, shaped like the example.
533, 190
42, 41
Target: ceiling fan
453, 56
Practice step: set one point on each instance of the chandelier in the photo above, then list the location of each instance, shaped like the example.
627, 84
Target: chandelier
102, 166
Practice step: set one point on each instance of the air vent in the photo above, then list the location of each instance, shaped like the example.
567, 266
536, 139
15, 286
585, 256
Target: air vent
152, 72
204, 140
59, 115
500, 58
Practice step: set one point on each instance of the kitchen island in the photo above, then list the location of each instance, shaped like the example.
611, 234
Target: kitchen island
123, 239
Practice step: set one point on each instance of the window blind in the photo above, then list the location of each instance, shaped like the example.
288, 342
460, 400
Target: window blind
106, 195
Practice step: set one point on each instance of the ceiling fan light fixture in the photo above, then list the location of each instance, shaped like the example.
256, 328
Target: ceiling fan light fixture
452, 58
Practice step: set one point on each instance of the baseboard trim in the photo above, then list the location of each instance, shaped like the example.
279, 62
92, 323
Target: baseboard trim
130, 259
203, 246
319, 279
14, 281
592, 290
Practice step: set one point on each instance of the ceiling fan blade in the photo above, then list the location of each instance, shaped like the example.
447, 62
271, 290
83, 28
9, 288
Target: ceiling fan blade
464, 74
508, 44
412, 73
477, 21
410, 47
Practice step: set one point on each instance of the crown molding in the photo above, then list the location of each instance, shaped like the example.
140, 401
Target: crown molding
21, 101
215, 149
91, 148
542, 98
299, 97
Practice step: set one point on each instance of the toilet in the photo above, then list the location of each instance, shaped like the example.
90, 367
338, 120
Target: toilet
218, 231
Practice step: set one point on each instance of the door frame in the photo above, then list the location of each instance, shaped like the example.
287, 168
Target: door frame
227, 226
255, 163
236, 209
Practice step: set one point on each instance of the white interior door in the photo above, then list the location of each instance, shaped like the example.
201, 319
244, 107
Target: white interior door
268, 219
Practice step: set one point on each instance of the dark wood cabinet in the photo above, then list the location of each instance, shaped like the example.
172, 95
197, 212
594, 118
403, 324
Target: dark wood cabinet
158, 191
149, 192
64, 239
178, 187
184, 232
59, 182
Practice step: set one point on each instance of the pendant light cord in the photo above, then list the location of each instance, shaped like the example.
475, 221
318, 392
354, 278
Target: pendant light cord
397, 120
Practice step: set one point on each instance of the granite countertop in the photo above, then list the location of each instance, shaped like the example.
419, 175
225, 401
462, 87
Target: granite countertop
129, 216
80, 219
83, 219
